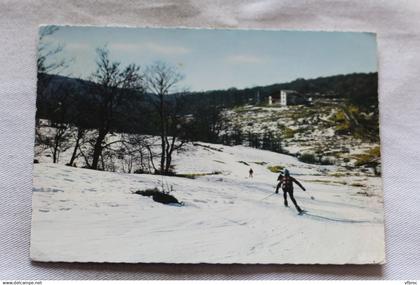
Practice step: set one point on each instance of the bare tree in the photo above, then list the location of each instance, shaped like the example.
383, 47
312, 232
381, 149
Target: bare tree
176, 124
162, 79
47, 61
111, 83
60, 112
140, 148
78, 139
56, 138
81, 119
136, 150
60, 141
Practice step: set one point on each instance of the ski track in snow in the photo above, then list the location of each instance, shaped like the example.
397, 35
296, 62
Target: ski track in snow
86, 215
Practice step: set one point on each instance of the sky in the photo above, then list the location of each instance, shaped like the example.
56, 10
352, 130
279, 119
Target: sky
220, 59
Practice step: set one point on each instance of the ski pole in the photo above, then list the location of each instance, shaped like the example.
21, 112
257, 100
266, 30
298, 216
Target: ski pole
267, 196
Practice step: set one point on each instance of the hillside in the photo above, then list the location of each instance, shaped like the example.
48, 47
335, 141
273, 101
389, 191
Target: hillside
313, 132
358, 88
227, 217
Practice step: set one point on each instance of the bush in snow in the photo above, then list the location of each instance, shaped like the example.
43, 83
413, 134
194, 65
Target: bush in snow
371, 158
308, 158
326, 161
275, 168
288, 133
165, 198
158, 196
147, 192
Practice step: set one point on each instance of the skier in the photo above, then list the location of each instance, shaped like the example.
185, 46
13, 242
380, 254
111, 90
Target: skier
286, 184
251, 173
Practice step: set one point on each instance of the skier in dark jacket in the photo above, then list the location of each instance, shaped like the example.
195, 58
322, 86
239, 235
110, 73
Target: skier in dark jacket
286, 183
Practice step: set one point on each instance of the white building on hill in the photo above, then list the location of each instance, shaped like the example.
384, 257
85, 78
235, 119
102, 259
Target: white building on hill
288, 97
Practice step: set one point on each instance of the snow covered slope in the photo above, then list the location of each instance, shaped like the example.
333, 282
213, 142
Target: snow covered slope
87, 215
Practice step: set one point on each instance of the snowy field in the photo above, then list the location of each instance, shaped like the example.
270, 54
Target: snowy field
86, 215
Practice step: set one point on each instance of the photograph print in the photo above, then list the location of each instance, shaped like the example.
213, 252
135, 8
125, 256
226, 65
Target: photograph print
176, 145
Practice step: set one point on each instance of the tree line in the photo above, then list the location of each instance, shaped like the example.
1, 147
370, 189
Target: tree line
141, 115
90, 112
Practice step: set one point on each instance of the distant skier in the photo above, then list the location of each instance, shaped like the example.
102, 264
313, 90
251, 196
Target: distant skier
251, 173
286, 184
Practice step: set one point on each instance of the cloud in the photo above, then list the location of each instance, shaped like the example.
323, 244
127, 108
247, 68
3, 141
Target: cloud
244, 59
77, 46
153, 47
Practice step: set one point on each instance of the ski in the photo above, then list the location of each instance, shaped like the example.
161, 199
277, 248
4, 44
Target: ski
301, 213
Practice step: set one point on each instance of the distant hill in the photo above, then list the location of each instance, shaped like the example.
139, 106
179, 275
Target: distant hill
358, 88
